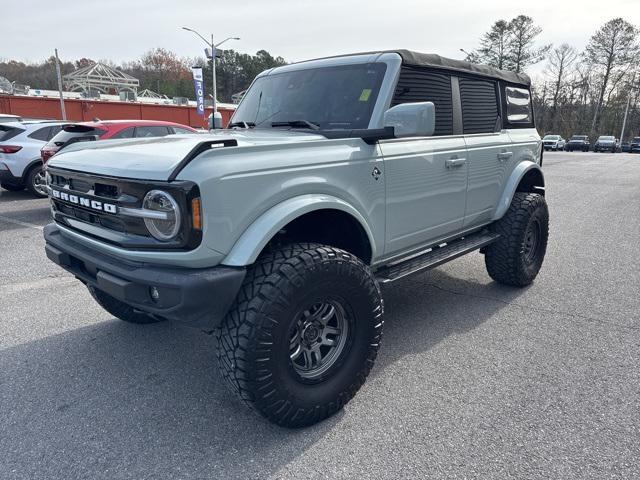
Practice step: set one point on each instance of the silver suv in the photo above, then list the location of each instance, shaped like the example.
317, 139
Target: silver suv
20, 162
336, 176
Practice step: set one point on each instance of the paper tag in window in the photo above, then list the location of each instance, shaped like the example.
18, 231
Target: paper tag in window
364, 96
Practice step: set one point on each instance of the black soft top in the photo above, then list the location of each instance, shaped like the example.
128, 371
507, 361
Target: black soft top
436, 61
433, 60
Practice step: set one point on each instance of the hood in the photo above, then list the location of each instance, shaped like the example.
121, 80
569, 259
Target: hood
157, 158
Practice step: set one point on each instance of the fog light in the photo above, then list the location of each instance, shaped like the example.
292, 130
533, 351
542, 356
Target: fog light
154, 293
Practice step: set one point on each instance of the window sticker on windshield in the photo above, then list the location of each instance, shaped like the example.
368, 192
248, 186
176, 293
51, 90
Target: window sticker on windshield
364, 96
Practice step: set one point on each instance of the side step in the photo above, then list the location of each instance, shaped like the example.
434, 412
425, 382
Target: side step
435, 256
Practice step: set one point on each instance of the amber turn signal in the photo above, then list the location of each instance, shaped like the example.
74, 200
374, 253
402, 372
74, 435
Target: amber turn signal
196, 214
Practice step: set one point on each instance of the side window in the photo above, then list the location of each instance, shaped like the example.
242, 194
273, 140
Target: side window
518, 106
151, 131
41, 134
479, 105
181, 130
124, 133
421, 85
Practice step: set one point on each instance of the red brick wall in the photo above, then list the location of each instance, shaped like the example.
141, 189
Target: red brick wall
86, 110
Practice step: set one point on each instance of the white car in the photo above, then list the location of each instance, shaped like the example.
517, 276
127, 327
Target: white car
20, 161
553, 142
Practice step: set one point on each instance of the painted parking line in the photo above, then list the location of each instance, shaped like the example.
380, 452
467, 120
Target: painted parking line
58, 282
20, 222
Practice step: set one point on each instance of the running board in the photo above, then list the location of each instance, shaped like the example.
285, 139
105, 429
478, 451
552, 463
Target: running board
435, 256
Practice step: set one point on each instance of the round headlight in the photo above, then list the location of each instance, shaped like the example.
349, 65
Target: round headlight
167, 224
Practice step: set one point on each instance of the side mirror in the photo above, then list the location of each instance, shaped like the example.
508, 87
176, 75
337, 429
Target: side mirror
411, 119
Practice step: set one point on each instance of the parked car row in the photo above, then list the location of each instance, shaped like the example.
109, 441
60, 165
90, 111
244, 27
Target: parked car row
26, 145
604, 143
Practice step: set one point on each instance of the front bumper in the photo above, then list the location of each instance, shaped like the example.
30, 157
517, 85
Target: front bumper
199, 297
576, 146
7, 177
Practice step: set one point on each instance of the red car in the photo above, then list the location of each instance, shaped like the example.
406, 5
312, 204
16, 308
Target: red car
106, 129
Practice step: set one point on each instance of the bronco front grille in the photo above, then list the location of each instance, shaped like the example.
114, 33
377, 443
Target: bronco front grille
96, 206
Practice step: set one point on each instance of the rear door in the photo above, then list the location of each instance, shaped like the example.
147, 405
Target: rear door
426, 177
489, 151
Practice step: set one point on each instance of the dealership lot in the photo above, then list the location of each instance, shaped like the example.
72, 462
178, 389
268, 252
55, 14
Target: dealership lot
473, 379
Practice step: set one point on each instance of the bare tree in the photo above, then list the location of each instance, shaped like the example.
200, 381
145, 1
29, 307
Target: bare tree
521, 51
610, 53
561, 60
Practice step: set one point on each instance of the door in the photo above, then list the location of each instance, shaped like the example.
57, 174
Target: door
426, 178
489, 152
426, 181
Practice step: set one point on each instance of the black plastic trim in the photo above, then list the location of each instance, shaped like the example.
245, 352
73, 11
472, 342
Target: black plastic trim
199, 297
369, 136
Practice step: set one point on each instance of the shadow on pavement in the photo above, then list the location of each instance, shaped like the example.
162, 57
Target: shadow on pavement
116, 400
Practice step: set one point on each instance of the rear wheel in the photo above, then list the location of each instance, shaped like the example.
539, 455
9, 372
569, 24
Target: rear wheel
303, 334
516, 257
36, 182
121, 310
12, 188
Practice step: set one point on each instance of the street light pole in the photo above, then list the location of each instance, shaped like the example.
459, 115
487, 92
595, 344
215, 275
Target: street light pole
59, 77
217, 119
214, 83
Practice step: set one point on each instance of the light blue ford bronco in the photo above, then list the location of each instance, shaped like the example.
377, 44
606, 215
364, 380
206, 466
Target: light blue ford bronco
334, 176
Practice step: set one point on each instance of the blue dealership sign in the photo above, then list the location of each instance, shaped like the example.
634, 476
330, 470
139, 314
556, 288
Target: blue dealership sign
198, 84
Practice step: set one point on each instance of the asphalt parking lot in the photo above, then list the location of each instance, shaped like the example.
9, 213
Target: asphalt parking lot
473, 380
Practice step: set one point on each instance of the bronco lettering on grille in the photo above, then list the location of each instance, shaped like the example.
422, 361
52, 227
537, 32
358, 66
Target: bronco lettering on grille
84, 202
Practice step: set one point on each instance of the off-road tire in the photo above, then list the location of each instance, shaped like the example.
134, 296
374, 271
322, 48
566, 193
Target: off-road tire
12, 188
253, 340
121, 310
30, 181
509, 260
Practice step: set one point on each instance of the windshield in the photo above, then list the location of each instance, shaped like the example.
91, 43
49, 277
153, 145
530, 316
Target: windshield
606, 139
636, 139
579, 137
341, 97
551, 137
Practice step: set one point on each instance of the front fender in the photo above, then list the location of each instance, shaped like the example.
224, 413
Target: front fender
247, 248
512, 184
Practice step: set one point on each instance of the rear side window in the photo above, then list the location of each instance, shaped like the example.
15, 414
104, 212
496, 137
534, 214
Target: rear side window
124, 133
518, 105
7, 132
479, 106
41, 134
181, 130
151, 131
422, 85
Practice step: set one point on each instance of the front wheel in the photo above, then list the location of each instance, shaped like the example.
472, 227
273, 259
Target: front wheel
36, 182
516, 257
303, 334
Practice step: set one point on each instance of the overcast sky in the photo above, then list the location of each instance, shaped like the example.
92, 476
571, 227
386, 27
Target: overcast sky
294, 29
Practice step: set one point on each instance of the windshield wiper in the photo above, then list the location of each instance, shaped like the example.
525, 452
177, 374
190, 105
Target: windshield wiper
297, 123
241, 124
